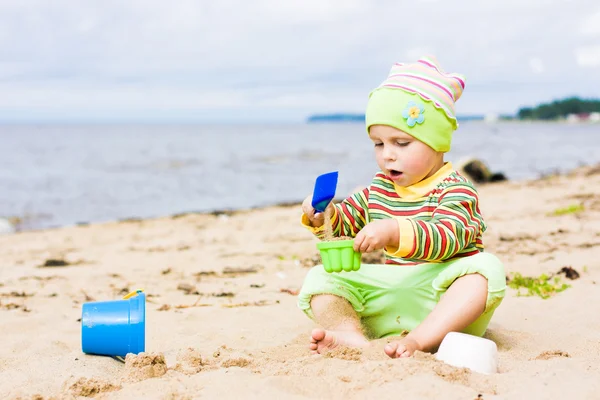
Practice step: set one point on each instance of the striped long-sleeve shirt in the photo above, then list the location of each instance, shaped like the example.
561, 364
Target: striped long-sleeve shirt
438, 218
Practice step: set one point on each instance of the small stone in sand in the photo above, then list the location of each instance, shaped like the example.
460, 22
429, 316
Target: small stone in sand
241, 270
187, 288
53, 262
204, 273
569, 272
293, 292
224, 294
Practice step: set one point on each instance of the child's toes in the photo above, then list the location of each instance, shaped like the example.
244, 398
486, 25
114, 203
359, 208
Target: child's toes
398, 350
390, 349
405, 352
401, 351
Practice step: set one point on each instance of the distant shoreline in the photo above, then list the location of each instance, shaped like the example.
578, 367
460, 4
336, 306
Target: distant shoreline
492, 118
351, 117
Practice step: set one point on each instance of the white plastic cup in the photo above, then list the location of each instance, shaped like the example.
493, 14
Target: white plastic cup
476, 353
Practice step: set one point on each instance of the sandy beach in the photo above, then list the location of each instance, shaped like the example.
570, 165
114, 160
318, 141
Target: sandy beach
222, 320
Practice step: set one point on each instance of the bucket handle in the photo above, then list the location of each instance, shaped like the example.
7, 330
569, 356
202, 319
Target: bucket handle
130, 295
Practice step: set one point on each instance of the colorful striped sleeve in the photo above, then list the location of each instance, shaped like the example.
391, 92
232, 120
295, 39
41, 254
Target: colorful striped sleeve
453, 226
348, 218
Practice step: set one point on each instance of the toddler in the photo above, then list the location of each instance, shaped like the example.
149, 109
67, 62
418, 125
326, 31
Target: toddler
424, 215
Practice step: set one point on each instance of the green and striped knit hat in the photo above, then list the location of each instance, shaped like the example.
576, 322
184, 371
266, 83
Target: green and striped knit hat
418, 99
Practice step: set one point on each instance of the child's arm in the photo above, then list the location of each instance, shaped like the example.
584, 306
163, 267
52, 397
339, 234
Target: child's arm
453, 226
348, 217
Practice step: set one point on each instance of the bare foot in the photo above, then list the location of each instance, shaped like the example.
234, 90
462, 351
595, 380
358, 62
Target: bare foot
321, 340
401, 348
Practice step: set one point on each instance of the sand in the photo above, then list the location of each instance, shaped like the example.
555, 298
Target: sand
222, 319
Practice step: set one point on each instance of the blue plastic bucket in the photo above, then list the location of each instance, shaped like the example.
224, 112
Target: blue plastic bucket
114, 328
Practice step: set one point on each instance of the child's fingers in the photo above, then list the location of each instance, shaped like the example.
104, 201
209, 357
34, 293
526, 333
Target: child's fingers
308, 210
364, 246
370, 246
358, 242
318, 216
307, 207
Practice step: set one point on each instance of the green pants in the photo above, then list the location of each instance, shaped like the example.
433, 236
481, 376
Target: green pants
390, 299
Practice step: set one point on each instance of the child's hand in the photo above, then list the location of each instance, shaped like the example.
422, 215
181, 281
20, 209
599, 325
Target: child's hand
376, 235
316, 218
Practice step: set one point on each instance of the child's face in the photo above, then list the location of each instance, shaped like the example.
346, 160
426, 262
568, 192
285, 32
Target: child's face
403, 158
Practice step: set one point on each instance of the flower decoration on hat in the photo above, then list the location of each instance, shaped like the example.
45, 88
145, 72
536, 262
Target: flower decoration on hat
413, 113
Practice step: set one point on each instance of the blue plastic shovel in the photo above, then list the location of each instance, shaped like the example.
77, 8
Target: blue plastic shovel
324, 192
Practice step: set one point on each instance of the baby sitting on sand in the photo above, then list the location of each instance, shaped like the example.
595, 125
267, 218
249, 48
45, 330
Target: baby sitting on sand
426, 217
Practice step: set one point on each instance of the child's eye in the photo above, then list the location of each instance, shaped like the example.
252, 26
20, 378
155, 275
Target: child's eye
403, 144
378, 144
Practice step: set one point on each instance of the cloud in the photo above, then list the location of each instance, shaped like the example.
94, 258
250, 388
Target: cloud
536, 65
590, 25
588, 56
295, 57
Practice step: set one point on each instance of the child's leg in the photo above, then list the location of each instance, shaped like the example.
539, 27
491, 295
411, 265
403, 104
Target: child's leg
472, 287
340, 320
459, 307
353, 306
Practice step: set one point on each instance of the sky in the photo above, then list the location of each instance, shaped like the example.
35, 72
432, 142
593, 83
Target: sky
273, 60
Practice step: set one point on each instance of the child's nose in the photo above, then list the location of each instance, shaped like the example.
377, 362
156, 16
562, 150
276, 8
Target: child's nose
388, 153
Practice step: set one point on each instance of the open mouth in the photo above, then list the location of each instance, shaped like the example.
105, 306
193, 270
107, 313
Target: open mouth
395, 174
